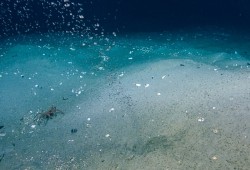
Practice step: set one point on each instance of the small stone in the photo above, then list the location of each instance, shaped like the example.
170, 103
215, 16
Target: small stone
33, 126
73, 130
214, 158
111, 110
215, 131
201, 119
2, 134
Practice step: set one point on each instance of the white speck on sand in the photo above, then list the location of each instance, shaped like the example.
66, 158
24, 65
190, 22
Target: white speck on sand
201, 119
111, 110
33, 126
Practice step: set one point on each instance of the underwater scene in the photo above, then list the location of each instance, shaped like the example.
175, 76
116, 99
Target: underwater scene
86, 98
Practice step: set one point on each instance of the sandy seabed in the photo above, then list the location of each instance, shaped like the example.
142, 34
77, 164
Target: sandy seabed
168, 113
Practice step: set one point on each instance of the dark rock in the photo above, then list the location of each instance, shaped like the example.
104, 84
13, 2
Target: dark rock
182, 65
73, 130
65, 98
1, 127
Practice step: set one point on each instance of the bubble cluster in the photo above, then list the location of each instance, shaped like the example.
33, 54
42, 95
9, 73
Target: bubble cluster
28, 16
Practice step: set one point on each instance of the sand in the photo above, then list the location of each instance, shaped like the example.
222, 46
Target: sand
133, 107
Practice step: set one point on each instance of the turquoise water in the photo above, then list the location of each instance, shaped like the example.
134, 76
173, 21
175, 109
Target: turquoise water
171, 100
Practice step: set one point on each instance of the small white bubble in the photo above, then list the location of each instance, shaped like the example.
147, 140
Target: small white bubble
81, 16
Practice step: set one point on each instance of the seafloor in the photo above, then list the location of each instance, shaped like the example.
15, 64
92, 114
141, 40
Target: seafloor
171, 100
